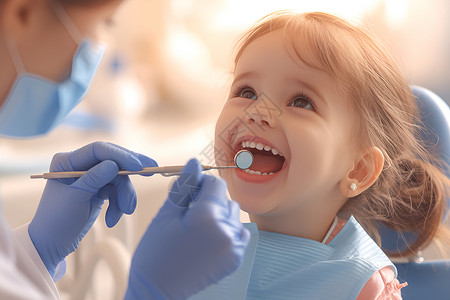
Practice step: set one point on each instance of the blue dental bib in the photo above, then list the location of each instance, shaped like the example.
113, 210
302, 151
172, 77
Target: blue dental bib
278, 266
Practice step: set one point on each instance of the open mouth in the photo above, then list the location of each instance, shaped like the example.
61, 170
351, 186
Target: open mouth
266, 159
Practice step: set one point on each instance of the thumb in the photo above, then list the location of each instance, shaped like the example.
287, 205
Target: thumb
97, 177
186, 187
214, 190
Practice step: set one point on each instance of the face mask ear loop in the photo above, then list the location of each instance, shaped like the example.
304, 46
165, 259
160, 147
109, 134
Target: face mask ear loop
15, 56
64, 18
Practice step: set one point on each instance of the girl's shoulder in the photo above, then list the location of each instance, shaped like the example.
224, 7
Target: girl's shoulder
382, 286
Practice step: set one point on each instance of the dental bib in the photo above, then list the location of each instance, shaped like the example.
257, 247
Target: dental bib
278, 266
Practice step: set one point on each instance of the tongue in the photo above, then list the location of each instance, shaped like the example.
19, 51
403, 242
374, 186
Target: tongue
266, 163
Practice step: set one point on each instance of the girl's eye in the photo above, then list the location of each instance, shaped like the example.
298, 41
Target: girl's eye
302, 102
248, 93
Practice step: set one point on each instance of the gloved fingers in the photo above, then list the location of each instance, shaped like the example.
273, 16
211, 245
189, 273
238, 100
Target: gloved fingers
113, 212
122, 199
231, 217
103, 193
235, 210
212, 204
213, 189
239, 245
186, 188
145, 160
194, 168
97, 177
88, 156
242, 233
60, 162
95, 208
125, 194
245, 237
228, 212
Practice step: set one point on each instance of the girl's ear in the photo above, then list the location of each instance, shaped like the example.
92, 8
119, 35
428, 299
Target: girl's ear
364, 173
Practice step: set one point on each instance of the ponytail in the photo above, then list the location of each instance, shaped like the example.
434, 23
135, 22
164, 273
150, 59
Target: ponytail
420, 198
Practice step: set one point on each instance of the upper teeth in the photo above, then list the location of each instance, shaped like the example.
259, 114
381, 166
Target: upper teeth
260, 146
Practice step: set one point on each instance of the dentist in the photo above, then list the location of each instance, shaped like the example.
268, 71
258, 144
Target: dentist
48, 56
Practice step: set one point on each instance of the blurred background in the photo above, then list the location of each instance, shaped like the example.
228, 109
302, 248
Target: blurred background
159, 90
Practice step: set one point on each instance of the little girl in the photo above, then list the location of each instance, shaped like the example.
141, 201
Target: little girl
329, 119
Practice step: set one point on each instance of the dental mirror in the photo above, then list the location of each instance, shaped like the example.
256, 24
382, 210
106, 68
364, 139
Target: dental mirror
243, 159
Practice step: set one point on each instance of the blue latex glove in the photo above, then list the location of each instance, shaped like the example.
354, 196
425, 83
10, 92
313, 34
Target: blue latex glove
69, 207
195, 240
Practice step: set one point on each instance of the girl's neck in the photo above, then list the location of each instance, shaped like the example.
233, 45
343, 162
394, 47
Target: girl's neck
311, 225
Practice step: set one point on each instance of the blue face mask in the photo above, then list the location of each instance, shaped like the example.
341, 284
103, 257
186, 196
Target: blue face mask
35, 104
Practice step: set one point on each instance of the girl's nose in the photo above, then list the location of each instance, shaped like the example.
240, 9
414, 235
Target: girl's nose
262, 114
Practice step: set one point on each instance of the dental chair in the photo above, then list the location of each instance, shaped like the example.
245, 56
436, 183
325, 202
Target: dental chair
426, 279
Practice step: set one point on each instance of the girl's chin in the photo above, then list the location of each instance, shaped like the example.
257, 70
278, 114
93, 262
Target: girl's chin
253, 211
251, 204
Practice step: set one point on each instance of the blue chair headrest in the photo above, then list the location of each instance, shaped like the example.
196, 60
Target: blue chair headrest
435, 118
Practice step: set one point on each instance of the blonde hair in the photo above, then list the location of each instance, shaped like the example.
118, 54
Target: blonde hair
410, 194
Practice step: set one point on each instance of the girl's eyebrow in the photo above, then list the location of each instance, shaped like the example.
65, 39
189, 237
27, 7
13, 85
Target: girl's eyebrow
250, 74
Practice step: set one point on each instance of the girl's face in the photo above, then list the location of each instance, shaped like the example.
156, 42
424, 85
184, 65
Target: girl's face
298, 123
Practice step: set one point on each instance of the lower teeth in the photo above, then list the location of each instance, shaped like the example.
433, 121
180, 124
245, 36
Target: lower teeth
256, 172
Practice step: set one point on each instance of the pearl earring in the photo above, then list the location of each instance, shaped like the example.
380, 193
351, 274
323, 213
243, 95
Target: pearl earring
353, 186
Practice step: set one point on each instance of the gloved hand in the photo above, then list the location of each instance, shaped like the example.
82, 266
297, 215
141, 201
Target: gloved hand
195, 240
69, 207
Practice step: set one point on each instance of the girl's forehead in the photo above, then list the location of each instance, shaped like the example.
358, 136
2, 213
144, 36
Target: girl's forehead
277, 47
275, 54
